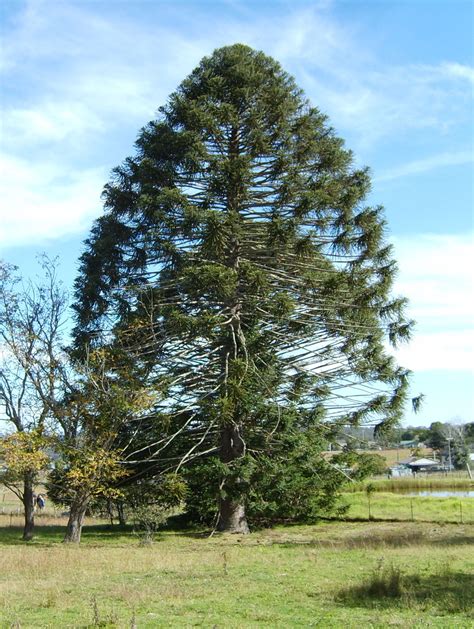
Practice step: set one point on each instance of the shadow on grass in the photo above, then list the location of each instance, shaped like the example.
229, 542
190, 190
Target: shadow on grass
447, 591
369, 537
53, 534
48, 534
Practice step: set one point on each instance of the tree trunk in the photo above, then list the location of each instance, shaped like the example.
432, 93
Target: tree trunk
121, 514
110, 511
232, 518
76, 519
29, 506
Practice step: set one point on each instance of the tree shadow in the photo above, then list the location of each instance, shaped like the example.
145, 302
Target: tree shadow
49, 534
455, 541
448, 591
45, 534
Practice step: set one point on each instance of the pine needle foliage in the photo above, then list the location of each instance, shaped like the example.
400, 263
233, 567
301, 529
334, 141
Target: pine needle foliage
238, 264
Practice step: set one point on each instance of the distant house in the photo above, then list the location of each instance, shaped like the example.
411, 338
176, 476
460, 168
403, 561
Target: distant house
422, 465
411, 443
414, 464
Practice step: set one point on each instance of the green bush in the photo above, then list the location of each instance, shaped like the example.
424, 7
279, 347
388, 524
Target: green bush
294, 484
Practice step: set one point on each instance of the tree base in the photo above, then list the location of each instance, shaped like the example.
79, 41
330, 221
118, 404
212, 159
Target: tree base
76, 520
232, 518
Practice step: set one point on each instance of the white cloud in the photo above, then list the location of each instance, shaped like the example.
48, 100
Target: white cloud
114, 66
451, 351
459, 70
42, 202
48, 122
436, 275
442, 262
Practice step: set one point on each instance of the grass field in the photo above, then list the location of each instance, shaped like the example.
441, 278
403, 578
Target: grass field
392, 506
349, 573
327, 575
395, 455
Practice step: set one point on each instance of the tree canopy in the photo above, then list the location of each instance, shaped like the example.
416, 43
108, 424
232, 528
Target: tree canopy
238, 271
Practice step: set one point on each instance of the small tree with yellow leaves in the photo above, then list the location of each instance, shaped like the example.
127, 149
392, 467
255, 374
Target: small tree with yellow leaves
24, 456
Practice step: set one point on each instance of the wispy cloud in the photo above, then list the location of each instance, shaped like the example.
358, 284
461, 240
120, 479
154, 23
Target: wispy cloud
378, 103
84, 78
426, 165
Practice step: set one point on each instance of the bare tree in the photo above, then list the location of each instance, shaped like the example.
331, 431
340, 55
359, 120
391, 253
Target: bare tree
32, 371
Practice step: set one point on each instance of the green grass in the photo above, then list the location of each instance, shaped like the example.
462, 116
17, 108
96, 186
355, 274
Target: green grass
391, 506
335, 574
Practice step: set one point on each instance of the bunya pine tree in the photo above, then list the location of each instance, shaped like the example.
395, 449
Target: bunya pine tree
238, 264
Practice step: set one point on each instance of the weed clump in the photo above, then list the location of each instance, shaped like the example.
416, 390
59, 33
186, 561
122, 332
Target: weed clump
445, 591
384, 582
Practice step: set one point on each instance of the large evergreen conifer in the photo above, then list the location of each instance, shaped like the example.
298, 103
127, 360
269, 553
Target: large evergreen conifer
237, 263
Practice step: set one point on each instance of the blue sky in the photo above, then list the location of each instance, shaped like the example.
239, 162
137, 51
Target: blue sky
79, 78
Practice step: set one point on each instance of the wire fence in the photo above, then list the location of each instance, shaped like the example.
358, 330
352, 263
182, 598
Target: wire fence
361, 505
384, 506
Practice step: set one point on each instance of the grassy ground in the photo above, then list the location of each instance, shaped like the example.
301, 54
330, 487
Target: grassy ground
392, 506
330, 575
335, 574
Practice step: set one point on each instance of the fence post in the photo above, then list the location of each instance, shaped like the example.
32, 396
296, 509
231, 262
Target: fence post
460, 511
411, 509
369, 489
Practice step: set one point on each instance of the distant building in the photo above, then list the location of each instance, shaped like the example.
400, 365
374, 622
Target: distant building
400, 470
413, 465
422, 465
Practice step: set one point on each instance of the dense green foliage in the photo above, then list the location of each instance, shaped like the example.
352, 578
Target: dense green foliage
292, 483
239, 272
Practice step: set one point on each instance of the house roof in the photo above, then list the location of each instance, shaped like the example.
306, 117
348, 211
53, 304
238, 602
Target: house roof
422, 462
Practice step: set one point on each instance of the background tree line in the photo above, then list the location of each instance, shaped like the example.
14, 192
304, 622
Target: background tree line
446, 438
